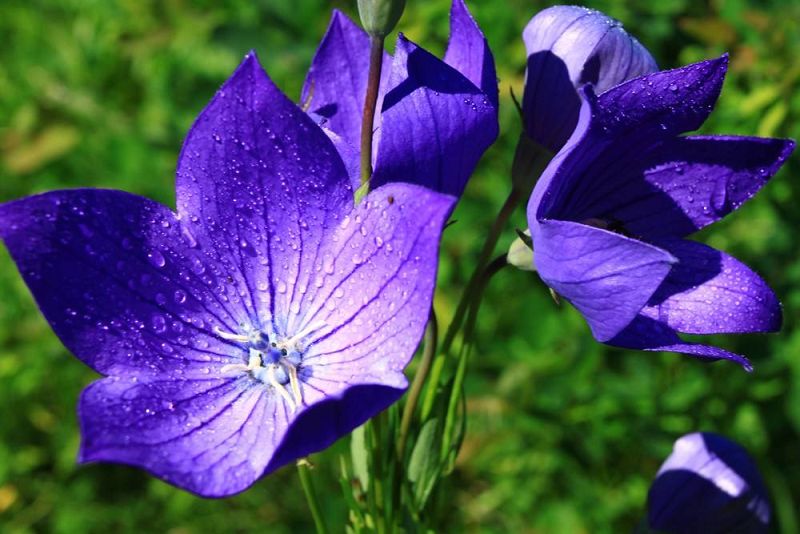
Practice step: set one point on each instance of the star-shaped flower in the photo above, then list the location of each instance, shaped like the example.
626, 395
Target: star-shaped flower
437, 117
610, 214
708, 484
265, 319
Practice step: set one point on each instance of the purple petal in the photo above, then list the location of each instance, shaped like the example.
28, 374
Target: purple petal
663, 104
436, 123
374, 292
608, 277
336, 83
468, 51
620, 128
121, 280
213, 437
647, 334
683, 184
261, 184
710, 292
567, 47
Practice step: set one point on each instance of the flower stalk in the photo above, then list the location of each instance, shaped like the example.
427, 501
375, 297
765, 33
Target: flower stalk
368, 115
304, 471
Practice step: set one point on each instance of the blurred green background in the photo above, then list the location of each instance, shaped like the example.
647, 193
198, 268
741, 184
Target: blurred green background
564, 435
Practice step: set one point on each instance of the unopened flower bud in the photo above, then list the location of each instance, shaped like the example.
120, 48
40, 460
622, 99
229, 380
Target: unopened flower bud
379, 17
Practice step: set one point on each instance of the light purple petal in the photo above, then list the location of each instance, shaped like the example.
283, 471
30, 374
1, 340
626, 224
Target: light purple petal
569, 46
710, 292
647, 334
213, 437
436, 123
468, 51
261, 184
374, 291
683, 184
608, 277
336, 83
121, 281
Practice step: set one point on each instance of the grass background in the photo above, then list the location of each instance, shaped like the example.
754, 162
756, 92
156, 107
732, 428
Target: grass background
564, 435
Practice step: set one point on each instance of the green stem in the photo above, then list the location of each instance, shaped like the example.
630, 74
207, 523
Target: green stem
467, 297
488, 247
311, 496
428, 352
368, 115
466, 349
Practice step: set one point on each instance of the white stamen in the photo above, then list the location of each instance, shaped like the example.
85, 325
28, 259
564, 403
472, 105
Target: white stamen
231, 337
279, 388
310, 329
294, 382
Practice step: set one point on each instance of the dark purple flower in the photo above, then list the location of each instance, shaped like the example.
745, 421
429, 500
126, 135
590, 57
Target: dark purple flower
708, 484
437, 117
569, 46
610, 214
259, 323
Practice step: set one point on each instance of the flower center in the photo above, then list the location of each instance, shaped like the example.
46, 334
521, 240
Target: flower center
272, 360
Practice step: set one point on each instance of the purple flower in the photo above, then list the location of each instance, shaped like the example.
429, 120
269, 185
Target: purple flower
259, 323
437, 117
610, 214
708, 484
569, 46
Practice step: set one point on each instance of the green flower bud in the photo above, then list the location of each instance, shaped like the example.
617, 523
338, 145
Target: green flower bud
520, 253
379, 17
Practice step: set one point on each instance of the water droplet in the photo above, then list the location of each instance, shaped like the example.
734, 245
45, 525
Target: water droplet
158, 323
180, 296
156, 259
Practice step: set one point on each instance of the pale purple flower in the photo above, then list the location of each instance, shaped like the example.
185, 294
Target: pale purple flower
611, 211
263, 320
437, 117
708, 484
569, 46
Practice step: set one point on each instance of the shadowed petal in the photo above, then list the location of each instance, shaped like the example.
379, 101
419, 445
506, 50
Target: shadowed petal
436, 123
375, 290
468, 51
684, 184
710, 292
608, 277
336, 83
620, 128
213, 437
121, 281
261, 184
647, 334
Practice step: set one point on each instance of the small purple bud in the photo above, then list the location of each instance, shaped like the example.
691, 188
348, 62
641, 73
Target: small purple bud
569, 46
708, 484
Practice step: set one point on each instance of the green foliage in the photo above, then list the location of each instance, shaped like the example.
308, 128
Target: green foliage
563, 434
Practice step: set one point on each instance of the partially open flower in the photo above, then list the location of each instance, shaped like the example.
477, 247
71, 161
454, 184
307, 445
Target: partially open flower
611, 213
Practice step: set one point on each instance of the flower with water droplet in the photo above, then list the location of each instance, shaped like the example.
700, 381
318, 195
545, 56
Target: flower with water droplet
437, 117
236, 353
610, 213
708, 484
